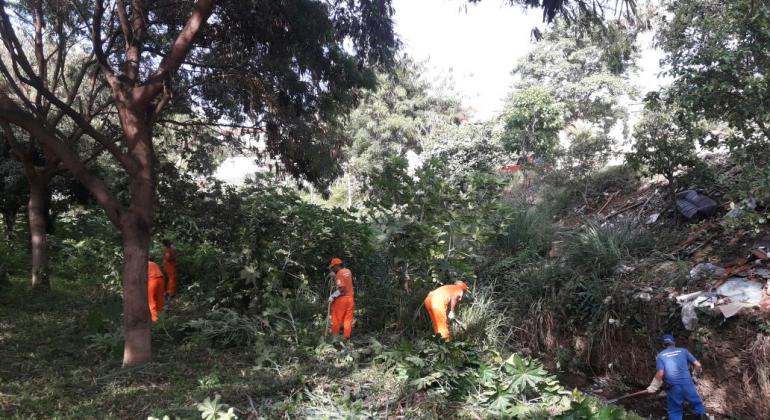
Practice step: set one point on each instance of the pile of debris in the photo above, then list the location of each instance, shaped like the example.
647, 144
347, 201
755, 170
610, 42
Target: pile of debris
742, 284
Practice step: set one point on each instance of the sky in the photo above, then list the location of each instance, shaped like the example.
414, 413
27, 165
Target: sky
475, 46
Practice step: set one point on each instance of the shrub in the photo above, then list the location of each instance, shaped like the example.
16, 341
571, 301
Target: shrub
526, 232
599, 248
516, 386
613, 178
483, 318
664, 142
109, 343
287, 246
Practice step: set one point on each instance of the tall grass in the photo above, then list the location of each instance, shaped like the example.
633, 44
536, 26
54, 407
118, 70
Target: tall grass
598, 249
527, 233
484, 319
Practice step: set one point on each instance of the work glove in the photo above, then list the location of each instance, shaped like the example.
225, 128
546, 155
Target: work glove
696, 373
334, 295
655, 385
451, 315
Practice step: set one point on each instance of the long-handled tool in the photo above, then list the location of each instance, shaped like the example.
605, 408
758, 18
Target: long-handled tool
330, 278
634, 394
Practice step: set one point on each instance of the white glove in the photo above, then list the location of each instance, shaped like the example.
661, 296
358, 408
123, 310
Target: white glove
655, 385
451, 315
334, 295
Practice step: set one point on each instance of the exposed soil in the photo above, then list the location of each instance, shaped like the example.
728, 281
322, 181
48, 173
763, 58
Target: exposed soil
620, 358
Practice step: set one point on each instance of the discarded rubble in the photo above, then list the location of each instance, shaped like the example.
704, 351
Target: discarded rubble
705, 271
728, 297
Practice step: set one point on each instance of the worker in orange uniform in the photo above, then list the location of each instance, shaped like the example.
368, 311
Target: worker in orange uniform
342, 299
155, 288
441, 304
169, 265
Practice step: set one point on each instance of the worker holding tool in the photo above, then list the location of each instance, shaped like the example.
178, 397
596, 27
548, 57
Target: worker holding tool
155, 288
441, 304
342, 303
672, 365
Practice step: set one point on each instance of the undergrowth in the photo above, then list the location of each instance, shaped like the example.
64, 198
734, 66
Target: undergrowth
598, 249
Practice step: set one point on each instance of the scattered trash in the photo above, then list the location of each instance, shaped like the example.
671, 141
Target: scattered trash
739, 290
614, 322
735, 213
694, 205
689, 317
691, 303
624, 269
645, 296
749, 203
730, 309
763, 272
704, 271
730, 298
652, 218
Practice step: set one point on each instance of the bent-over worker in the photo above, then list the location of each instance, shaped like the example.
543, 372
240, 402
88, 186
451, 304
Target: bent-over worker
342, 299
169, 265
441, 304
673, 366
155, 288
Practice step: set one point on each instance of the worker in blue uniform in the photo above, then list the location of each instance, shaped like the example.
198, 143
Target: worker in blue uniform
673, 366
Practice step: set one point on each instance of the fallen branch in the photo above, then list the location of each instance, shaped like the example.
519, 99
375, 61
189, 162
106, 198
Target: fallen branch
645, 204
612, 196
623, 210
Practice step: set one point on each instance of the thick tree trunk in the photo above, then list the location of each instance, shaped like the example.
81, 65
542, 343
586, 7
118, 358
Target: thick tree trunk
37, 231
136, 229
136, 313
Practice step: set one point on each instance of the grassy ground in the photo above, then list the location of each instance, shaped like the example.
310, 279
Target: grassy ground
50, 365
61, 359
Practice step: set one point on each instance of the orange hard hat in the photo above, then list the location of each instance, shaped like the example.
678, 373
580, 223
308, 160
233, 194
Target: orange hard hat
335, 261
462, 285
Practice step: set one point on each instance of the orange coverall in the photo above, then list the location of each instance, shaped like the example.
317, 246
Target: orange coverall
169, 265
437, 304
343, 305
155, 288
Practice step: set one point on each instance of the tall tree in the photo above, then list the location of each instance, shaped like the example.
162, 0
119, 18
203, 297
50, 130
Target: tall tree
719, 54
399, 117
588, 73
38, 175
532, 123
287, 70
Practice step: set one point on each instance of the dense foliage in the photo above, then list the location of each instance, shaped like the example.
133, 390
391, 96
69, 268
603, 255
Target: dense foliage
571, 264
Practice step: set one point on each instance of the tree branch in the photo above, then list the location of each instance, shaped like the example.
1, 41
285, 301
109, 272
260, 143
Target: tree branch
96, 40
42, 69
10, 112
182, 45
128, 35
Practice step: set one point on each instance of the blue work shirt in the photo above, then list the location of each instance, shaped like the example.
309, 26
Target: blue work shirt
675, 361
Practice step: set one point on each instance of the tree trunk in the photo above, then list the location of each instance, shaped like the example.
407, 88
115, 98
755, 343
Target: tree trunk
37, 230
136, 313
136, 230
